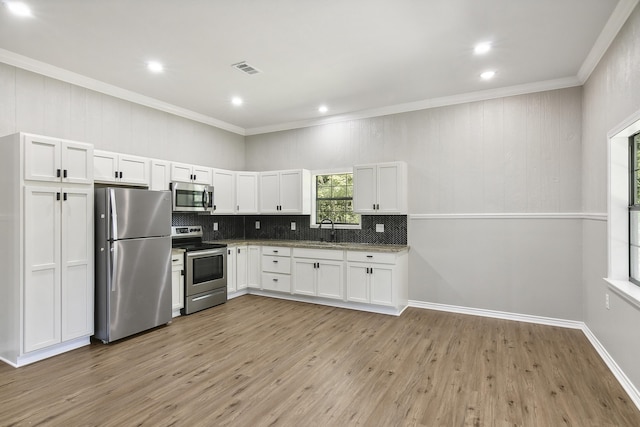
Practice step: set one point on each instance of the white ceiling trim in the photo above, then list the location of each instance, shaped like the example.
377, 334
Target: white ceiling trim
609, 32
425, 104
48, 70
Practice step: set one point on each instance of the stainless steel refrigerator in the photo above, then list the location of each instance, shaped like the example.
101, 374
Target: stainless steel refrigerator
133, 261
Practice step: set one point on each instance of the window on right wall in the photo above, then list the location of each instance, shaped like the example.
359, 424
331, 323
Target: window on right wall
634, 208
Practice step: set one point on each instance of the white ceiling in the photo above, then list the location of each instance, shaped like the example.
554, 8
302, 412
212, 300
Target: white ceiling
359, 57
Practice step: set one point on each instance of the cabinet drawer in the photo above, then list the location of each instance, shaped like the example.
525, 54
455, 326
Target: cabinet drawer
276, 264
377, 257
276, 250
328, 254
276, 282
177, 259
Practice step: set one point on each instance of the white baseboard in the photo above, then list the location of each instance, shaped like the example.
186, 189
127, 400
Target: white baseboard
618, 373
45, 353
622, 378
550, 321
329, 302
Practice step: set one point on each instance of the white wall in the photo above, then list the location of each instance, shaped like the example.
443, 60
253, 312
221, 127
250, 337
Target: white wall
519, 154
31, 102
611, 95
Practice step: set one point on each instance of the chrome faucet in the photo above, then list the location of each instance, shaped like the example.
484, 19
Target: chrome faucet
333, 229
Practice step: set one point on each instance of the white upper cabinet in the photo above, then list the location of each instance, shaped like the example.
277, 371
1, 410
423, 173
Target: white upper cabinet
160, 175
182, 172
285, 192
224, 191
56, 160
109, 167
380, 188
247, 192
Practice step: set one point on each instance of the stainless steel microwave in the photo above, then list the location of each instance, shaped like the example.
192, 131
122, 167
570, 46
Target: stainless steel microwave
190, 197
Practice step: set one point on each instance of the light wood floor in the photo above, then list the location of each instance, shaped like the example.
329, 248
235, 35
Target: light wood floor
258, 361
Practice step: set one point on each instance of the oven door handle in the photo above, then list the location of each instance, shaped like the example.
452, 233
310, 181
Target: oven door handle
206, 252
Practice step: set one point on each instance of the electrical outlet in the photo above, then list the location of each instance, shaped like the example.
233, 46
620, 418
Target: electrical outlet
293, 226
606, 301
380, 228
257, 225
215, 226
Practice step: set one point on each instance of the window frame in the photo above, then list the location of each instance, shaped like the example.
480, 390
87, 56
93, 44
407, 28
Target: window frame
313, 219
634, 206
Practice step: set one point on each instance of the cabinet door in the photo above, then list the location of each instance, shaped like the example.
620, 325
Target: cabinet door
381, 285
364, 189
177, 300
202, 175
291, 192
304, 276
77, 263
241, 267
105, 166
269, 192
231, 270
160, 175
357, 282
42, 268
42, 159
181, 172
390, 189
77, 163
330, 282
224, 191
247, 192
135, 170
253, 267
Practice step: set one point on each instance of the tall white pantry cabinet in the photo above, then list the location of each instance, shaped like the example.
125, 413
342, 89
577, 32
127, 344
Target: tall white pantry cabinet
46, 256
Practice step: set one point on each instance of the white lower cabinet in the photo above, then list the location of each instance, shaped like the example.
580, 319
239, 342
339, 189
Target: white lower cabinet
231, 269
318, 272
241, 267
253, 266
276, 268
177, 281
238, 270
377, 278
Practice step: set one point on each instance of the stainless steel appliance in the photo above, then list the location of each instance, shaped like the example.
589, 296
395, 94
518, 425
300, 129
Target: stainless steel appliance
133, 261
205, 264
190, 197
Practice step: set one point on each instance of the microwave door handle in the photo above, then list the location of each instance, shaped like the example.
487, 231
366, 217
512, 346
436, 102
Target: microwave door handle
205, 198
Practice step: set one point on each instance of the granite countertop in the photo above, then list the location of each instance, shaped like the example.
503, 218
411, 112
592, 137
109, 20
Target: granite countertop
310, 244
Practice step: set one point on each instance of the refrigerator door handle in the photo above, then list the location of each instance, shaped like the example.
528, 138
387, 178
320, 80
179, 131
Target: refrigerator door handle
114, 266
113, 214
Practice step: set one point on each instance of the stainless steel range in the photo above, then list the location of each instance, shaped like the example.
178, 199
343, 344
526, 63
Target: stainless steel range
205, 283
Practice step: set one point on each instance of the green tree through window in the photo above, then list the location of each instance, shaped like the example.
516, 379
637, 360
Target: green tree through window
334, 199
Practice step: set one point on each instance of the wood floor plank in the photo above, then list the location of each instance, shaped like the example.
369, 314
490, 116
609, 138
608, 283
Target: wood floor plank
257, 361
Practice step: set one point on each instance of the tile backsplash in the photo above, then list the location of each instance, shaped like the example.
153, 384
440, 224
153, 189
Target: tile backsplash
278, 227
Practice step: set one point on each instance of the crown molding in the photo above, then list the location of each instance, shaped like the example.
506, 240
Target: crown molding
424, 104
615, 22
54, 72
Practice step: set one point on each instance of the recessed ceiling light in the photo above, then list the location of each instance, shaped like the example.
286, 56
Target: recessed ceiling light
323, 109
482, 48
155, 66
236, 100
18, 8
487, 75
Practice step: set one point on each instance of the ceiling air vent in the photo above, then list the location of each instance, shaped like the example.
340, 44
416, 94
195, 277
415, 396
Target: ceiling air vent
246, 68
